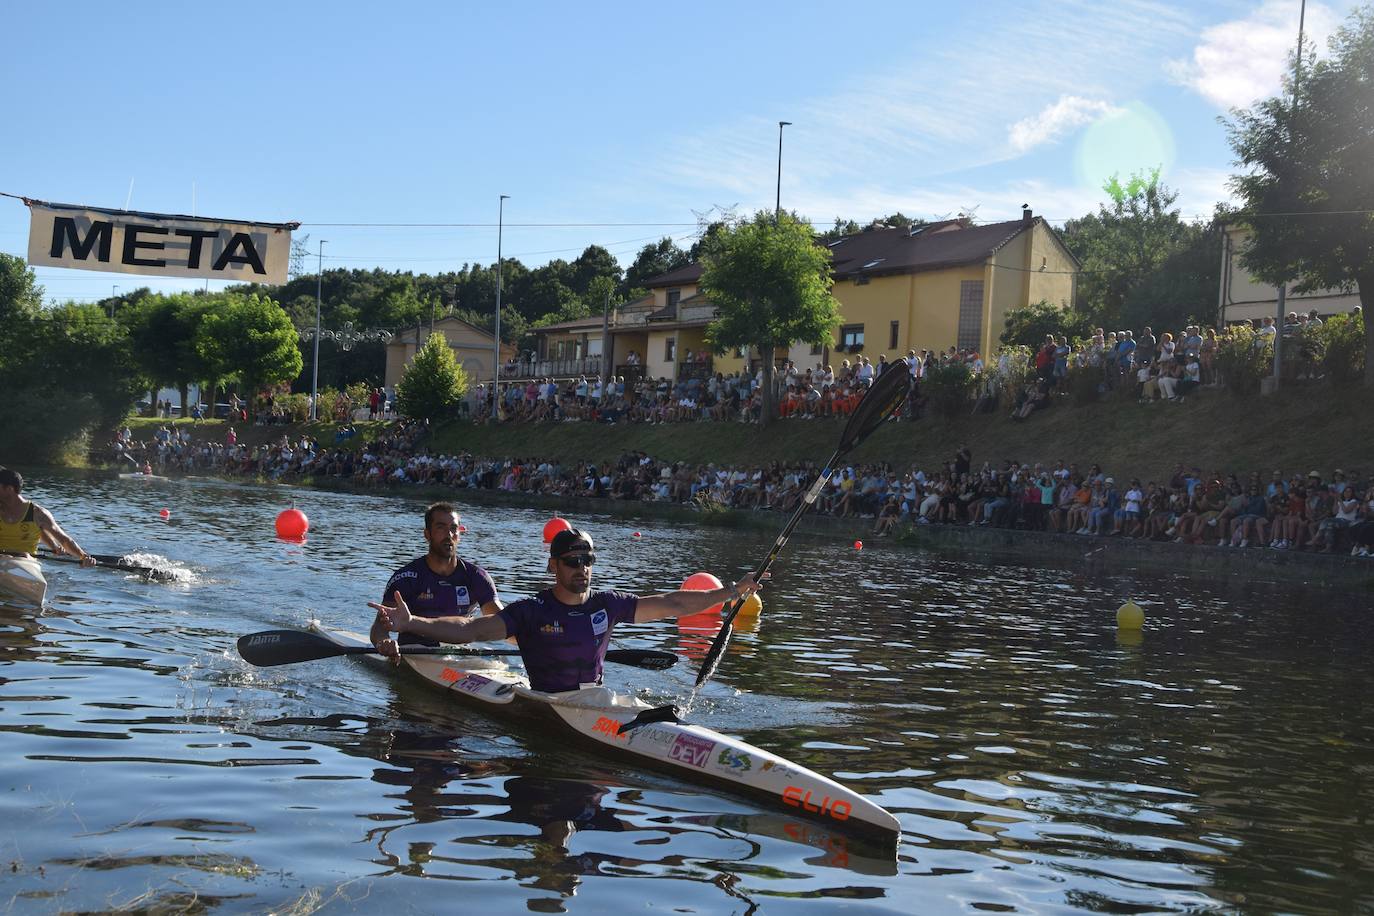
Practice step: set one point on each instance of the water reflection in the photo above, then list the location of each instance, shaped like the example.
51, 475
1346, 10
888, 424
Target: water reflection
1038, 758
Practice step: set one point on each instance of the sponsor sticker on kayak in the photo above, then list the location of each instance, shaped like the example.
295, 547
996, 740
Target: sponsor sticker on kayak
691, 750
733, 761
472, 683
608, 726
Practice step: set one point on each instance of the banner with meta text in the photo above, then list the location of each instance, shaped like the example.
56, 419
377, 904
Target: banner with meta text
157, 244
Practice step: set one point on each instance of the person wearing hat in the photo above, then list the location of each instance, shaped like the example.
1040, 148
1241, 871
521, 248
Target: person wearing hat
562, 632
439, 584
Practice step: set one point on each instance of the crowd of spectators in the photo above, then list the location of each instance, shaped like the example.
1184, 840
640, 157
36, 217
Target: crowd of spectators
1285, 512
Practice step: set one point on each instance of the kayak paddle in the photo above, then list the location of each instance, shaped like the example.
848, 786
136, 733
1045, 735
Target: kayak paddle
110, 561
885, 395
286, 647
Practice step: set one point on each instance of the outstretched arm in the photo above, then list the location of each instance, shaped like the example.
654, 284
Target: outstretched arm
53, 534
682, 603
397, 617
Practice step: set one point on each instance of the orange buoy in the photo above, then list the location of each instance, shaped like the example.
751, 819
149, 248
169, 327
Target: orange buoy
858, 545
462, 529
165, 513
553, 526
703, 582
292, 524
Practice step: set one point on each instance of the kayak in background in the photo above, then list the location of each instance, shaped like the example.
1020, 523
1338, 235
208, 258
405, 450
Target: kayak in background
139, 475
22, 580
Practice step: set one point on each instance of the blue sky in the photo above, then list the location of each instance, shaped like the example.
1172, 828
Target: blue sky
629, 119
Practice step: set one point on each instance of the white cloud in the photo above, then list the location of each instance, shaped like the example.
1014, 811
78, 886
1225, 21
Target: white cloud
1053, 121
1242, 60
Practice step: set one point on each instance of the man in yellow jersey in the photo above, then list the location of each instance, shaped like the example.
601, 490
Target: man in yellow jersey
23, 523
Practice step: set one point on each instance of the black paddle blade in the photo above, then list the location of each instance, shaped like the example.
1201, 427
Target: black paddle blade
283, 647
885, 395
649, 659
667, 713
711, 662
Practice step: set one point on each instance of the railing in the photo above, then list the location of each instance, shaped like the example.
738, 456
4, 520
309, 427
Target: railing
695, 369
537, 368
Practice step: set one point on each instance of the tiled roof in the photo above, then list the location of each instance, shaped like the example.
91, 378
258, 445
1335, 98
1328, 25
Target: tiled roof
886, 251
592, 322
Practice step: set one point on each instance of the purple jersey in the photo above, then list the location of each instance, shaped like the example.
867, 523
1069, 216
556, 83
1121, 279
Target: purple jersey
564, 647
429, 594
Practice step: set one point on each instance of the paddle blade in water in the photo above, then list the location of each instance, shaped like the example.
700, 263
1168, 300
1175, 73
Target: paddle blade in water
284, 647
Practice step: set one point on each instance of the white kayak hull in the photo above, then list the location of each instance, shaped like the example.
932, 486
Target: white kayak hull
139, 475
22, 581
701, 755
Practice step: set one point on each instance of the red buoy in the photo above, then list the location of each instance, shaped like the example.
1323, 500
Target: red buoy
858, 545
703, 582
292, 524
165, 513
553, 526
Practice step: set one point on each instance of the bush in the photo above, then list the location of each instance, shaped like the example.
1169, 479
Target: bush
1243, 358
433, 385
1345, 347
297, 406
1084, 385
947, 388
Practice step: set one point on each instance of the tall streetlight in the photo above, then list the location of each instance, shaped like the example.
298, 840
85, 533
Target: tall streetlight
114, 293
777, 208
1282, 305
315, 373
496, 339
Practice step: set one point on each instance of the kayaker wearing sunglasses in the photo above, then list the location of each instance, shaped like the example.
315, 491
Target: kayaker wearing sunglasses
562, 632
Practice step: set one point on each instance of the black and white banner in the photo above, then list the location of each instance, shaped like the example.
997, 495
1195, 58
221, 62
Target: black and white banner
157, 244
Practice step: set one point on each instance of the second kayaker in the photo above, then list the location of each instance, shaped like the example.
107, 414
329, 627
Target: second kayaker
562, 632
24, 523
439, 584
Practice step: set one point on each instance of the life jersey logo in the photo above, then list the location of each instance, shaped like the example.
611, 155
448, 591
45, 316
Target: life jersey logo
552, 629
599, 622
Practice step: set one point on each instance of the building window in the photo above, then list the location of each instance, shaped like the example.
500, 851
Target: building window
670, 349
673, 296
851, 338
892, 336
815, 349
970, 314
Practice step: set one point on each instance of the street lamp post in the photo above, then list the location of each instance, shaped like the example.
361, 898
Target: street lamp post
496, 339
777, 207
114, 293
315, 372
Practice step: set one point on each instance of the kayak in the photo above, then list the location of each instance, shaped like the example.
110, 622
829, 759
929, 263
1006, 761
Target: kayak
139, 475
593, 715
21, 580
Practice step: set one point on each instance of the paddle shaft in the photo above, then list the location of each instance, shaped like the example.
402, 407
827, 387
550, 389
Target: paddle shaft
109, 561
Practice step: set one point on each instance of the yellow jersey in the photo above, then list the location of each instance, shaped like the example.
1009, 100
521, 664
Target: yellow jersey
21, 536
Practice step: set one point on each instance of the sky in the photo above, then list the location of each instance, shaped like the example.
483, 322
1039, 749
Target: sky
615, 123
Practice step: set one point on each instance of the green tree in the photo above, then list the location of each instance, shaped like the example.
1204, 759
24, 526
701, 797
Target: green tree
1183, 290
1028, 325
1306, 193
251, 339
163, 330
652, 260
1124, 242
770, 284
433, 384
594, 263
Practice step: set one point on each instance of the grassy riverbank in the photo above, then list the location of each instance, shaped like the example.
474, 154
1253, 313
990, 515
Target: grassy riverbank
1300, 429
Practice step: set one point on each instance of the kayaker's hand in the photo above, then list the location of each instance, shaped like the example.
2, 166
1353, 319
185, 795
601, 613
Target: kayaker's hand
397, 616
747, 584
87, 560
389, 649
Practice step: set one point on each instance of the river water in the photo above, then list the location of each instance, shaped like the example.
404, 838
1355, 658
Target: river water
1039, 761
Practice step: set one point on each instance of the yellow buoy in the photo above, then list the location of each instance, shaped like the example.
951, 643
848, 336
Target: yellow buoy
1129, 616
752, 605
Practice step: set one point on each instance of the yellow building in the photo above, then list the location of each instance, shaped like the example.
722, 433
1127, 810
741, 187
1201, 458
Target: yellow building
1244, 298
946, 284
471, 345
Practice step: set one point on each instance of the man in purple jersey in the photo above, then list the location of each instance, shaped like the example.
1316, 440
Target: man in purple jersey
439, 584
562, 632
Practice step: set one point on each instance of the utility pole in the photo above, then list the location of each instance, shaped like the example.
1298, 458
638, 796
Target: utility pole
496, 339
315, 372
1282, 306
777, 207
605, 342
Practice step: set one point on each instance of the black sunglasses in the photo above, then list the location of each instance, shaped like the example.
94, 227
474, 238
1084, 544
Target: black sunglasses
586, 559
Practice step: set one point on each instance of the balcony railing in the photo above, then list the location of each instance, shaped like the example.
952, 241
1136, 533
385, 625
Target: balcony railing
558, 368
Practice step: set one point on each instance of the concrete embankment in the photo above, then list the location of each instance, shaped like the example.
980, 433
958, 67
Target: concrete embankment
1097, 555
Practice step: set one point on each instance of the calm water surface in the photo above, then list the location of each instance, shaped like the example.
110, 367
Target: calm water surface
1038, 760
